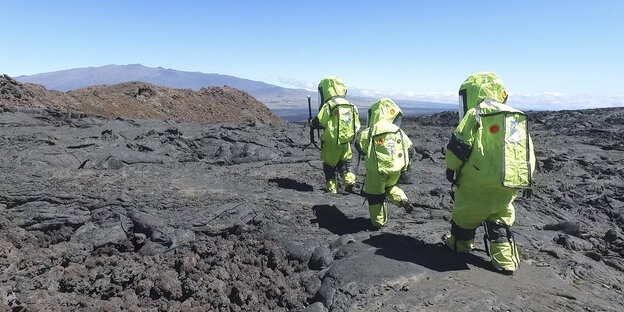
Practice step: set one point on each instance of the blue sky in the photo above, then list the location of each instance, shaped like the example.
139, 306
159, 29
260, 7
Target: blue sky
570, 53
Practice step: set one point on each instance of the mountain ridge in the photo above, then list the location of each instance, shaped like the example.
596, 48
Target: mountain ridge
142, 100
289, 102
78, 78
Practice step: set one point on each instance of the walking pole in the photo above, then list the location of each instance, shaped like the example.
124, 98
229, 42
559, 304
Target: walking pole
312, 141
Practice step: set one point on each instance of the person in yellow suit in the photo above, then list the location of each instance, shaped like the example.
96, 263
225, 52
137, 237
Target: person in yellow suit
340, 120
388, 151
490, 158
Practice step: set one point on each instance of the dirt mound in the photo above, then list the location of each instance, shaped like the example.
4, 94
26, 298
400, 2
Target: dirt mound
142, 100
124, 214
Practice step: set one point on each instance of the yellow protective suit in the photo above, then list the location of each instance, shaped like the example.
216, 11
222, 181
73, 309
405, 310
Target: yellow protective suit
490, 157
340, 120
387, 149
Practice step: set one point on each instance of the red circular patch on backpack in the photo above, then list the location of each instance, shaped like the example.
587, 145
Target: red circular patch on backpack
380, 141
494, 129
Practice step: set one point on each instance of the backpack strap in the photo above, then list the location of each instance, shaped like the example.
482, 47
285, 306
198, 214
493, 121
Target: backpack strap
372, 146
405, 162
353, 121
335, 97
370, 137
337, 122
478, 115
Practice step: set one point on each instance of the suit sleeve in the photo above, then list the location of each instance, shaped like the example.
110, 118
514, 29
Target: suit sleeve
410, 149
361, 144
460, 145
321, 119
411, 152
357, 118
532, 156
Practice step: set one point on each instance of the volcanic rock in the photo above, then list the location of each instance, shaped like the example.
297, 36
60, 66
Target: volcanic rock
136, 214
316, 307
611, 236
168, 285
321, 258
572, 228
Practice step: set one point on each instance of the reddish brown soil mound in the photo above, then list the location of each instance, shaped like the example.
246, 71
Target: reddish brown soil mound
142, 100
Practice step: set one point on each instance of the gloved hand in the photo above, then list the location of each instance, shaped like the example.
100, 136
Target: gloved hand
450, 175
314, 123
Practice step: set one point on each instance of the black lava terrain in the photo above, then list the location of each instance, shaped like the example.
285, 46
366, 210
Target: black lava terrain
156, 215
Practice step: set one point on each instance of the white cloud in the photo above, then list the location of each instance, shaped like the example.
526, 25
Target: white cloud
554, 93
554, 100
437, 97
294, 83
540, 101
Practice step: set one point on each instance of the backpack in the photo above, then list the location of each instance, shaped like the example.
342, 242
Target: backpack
389, 149
342, 120
505, 139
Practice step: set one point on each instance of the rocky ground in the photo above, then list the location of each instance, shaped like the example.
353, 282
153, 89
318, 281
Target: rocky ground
124, 214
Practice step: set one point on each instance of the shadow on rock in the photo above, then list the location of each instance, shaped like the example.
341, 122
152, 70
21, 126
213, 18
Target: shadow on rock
292, 184
332, 219
435, 257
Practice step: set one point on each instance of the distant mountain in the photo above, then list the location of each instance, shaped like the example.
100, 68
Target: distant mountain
78, 78
288, 103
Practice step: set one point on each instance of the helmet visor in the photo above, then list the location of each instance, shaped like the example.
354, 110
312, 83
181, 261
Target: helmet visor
463, 104
320, 98
398, 120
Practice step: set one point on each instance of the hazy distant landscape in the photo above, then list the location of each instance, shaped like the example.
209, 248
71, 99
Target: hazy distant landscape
288, 103
411, 108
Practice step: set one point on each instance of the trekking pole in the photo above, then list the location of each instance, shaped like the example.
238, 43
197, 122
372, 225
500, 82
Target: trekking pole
312, 141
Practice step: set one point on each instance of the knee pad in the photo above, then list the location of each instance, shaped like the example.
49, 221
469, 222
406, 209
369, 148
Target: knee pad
497, 232
330, 172
461, 233
375, 199
343, 166
502, 247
